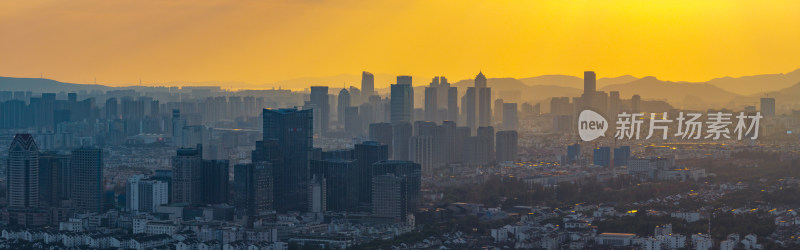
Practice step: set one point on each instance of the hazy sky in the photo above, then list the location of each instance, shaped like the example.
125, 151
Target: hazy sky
266, 41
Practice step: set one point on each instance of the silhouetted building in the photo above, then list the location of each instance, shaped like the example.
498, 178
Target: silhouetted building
366, 154
341, 188
23, 172
510, 119
767, 107
253, 187
187, 175
602, 156
342, 104
402, 100
87, 179
468, 106
381, 132
321, 106
54, 183
215, 181
352, 121
421, 152
452, 104
431, 104
401, 135
410, 173
507, 145
291, 131
486, 145
622, 155
367, 84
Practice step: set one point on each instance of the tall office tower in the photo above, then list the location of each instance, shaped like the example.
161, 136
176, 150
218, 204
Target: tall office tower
507, 145
469, 102
462, 133
253, 187
424, 128
486, 145
401, 134
412, 175
484, 107
613, 104
164, 175
366, 154
622, 155
87, 179
452, 104
510, 118
480, 80
342, 104
352, 122
573, 153
602, 156
23, 172
402, 100
431, 104
382, 132
111, 108
367, 114
404, 80
445, 143
589, 83
421, 152
53, 179
498, 110
291, 131
319, 98
767, 107
389, 196
636, 103
145, 195
177, 128
355, 95
215, 181
187, 175
367, 84
341, 183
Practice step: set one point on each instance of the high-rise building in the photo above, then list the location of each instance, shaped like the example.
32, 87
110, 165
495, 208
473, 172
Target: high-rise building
187, 175
367, 84
410, 173
23, 172
382, 132
352, 121
767, 107
253, 187
145, 195
342, 104
498, 109
341, 188
87, 179
291, 132
177, 128
215, 181
484, 107
507, 145
486, 144
602, 156
54, 183
321, 105
402, 100
589, 83
573, 153
510, 118
401, 136
366, 154
390, 197
622, 155
452, 104
421, 152
431, 104
461, 135
468, 106
636, 104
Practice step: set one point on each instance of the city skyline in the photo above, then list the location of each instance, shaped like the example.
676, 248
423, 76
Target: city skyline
675, 40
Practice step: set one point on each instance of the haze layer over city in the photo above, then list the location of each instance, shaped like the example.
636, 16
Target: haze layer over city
400, 125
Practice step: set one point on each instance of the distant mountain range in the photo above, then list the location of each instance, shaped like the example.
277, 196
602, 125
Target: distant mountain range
720, 91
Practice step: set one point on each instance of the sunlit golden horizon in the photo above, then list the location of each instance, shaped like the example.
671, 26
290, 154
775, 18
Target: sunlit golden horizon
255, 42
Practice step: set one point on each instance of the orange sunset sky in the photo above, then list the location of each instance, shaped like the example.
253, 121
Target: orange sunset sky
258, 42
